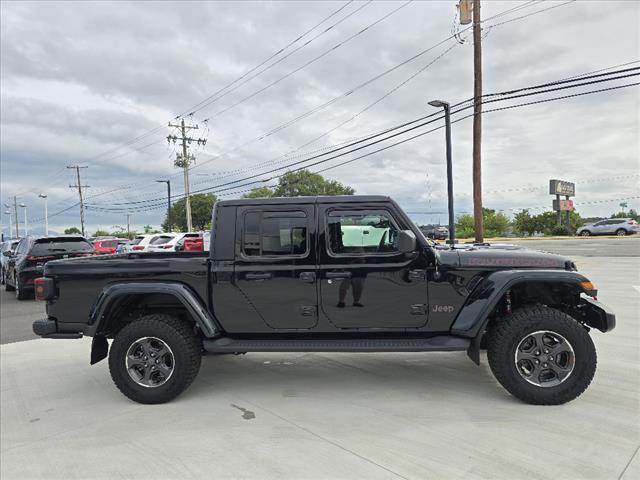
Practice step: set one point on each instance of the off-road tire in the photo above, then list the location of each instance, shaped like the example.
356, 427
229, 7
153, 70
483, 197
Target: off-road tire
185, 346
621, 232
504, 336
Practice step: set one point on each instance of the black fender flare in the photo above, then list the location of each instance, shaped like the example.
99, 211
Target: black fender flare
185, 295
474, 316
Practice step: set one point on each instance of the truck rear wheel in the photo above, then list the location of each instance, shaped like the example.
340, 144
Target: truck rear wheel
155, 358
541, 355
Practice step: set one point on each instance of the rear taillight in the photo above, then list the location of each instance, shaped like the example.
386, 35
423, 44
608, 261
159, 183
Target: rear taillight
37, 258
138, 247
44, 288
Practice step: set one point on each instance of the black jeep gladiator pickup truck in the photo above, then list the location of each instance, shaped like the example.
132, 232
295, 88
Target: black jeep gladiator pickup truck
327, 274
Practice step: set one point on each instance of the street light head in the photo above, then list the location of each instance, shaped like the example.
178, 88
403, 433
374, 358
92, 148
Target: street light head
43, 195
21, 205
438, 103
7, 212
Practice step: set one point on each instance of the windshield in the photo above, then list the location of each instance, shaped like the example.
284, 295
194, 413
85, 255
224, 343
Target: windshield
47, 246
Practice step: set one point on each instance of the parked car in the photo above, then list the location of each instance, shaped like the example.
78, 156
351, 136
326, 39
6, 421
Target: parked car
610, 226
139, 243
193, 244
32, 254
187, 237
283, 276
164, 242
8, 246
107, 246
435, 232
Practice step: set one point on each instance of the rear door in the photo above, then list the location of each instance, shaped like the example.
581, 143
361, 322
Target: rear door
275, 266
365, 281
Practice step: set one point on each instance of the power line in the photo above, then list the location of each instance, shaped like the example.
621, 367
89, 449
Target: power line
217, 189
405, 124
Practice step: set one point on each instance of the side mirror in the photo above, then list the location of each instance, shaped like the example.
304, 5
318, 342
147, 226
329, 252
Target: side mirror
7, 253
406, 241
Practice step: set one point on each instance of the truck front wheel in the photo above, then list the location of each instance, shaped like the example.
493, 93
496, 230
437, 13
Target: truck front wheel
541, 355
155, 358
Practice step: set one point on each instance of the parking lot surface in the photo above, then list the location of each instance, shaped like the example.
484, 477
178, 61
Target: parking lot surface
325, 416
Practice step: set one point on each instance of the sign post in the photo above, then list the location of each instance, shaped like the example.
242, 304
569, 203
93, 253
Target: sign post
568, 190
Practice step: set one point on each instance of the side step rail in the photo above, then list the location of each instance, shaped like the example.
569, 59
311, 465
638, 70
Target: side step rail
433, 344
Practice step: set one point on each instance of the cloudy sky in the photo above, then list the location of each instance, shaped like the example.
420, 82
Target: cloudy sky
95, 84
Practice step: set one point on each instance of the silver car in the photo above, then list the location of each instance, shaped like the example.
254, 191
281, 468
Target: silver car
8, 246
610, 226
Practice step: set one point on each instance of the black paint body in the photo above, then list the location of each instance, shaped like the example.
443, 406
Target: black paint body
428, 292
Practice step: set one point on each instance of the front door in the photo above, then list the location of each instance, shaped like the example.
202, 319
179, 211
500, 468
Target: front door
275, 266
366, 282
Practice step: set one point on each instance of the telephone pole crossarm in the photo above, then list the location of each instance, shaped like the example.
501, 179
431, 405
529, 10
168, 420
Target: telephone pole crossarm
184, 160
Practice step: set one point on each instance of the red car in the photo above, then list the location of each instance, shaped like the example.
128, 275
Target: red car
193, 244
106, 246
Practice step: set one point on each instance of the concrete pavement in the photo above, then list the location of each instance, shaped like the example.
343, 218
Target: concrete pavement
326, 416
16, 317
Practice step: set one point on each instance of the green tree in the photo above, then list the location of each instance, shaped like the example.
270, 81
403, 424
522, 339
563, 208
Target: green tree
304, 183
524, 223
201, 208
495, 224
632, 213
547, 222
260, 192
149, 229
101, 233
465, 226
72, 231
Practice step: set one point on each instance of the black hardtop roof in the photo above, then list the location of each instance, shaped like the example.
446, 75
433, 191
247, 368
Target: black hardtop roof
304, 200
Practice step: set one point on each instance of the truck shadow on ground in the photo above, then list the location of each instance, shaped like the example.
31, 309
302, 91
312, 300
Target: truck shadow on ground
437, 376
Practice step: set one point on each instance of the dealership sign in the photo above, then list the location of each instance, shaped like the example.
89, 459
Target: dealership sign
560, 187
563, 205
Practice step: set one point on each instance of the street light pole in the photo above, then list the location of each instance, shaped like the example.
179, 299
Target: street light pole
26, 225
447, 119
8, 212
46, 214
168, 182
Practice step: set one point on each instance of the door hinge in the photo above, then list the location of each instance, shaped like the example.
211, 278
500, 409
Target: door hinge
418, 309
417, 274
308, 310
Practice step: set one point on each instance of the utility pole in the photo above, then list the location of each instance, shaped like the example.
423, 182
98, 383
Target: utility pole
477, 123
15, 211
168, 182
128, 226
184, 160
46, 214
79, 186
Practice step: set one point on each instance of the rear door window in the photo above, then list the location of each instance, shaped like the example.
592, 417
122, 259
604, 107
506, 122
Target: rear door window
51, 246
136, 241
162, 239
268, 234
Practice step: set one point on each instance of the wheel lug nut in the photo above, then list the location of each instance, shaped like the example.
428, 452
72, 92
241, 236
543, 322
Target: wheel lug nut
145, 365
157, 361
145, 357
546, 351
545, 365
537, 362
